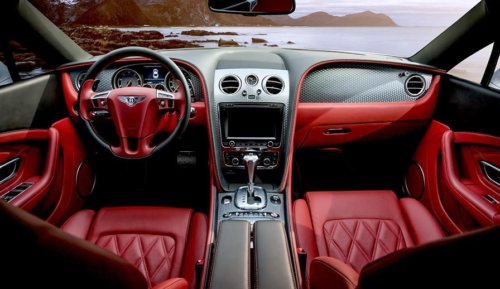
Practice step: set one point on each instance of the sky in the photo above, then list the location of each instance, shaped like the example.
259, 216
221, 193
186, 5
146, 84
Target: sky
438, 13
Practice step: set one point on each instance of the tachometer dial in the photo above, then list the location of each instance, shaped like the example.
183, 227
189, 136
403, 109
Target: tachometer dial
127, 77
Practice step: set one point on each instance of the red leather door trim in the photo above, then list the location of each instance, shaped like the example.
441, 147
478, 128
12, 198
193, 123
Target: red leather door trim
41, 184
386, 115
25, 145
468, 193
70, 94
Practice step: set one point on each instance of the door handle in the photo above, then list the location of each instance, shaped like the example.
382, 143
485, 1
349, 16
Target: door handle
491, 172
340, 130
8, 170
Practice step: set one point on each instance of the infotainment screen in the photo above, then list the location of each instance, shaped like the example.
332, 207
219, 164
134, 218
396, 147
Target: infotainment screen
252, 122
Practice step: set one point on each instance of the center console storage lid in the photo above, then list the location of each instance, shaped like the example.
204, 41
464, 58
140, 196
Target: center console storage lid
273, 265
231, 265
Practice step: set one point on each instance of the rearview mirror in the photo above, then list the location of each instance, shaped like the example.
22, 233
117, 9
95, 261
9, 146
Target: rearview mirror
252, 7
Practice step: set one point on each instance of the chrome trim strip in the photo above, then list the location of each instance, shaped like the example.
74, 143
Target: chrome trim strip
485, 164
11, 175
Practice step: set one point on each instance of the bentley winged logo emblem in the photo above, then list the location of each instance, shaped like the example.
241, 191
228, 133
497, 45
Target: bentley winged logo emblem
131, 100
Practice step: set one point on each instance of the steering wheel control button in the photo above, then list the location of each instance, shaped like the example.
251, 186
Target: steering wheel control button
99, 113
164, 95
100, 100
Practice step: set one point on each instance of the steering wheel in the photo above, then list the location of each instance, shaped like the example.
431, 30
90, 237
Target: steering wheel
138, 113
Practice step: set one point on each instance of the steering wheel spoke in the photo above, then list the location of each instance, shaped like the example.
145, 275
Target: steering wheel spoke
138, 113
133, 147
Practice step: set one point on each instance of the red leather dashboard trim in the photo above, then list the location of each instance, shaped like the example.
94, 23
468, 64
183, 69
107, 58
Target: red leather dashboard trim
23, 135
70, 94
74, 153
311, 115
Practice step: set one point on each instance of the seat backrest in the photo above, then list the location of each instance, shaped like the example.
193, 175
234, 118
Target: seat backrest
463, 261
35, 254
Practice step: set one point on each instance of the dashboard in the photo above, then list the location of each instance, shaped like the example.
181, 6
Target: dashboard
272, 101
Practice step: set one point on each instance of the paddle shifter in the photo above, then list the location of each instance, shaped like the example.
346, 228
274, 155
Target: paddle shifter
250, 197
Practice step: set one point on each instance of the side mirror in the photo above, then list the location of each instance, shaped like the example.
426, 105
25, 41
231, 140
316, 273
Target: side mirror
495, 80
252, 7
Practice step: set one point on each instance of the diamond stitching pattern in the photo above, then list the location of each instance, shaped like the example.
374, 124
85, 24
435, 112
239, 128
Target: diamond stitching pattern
151, 254
359, 241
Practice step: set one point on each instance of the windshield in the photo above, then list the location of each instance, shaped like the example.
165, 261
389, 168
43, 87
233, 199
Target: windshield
399, 28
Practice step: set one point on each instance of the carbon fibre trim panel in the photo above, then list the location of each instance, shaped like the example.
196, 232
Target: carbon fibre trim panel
358, 83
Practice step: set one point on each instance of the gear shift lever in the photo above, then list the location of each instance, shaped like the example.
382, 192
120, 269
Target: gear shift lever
251, 164
251, 197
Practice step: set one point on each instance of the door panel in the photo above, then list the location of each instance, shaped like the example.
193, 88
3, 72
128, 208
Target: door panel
38, 153
452, 156
51, 176
464, 177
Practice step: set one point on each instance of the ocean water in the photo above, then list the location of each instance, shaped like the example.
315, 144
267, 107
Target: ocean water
397, 41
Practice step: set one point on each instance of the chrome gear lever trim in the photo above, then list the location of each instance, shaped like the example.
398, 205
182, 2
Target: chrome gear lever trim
250, 164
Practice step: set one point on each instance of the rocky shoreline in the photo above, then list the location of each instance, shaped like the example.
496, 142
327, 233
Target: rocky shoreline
101, 40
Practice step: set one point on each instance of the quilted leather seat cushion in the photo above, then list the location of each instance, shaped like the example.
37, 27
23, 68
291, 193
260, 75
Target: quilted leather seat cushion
358, 227
160, 242
359, 241
152, 255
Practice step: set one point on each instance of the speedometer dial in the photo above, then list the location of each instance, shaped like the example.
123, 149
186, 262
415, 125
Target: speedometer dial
171, 82
127, 77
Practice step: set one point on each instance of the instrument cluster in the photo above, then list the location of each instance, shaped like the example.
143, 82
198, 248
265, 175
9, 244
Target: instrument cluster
143, 74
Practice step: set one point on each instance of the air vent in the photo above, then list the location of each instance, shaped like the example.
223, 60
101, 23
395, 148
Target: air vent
273, 85
230, 84
415, 85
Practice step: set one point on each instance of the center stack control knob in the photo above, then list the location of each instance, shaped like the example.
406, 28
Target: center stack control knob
235, 162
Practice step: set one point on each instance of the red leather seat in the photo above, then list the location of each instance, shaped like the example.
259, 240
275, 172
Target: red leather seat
161, 242
460, 261
357, 227
36, 254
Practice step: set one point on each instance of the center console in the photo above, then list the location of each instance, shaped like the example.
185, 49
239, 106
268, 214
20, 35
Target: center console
250, 113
